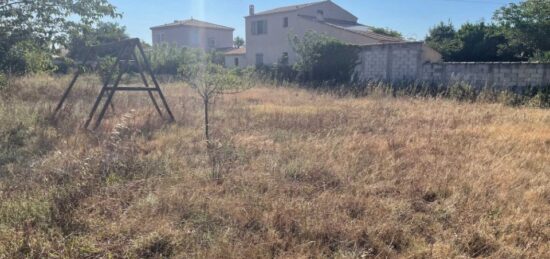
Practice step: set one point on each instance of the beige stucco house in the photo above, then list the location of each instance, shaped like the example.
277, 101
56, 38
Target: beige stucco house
195, 34
236, 58
268, 32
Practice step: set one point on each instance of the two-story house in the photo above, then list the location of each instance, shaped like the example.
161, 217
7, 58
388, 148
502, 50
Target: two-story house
268, 32
195, 34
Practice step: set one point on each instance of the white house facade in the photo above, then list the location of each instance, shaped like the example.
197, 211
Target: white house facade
268, 33
195, 34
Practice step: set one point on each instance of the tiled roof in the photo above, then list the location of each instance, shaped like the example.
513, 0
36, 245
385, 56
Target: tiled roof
356, 28
194, 23
378, 36
235, 52
289, 8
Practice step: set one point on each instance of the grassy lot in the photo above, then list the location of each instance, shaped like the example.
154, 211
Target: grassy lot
294, 174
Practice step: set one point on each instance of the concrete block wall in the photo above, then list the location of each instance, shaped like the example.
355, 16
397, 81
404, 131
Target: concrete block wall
407, 61
405, 64
390, 62
495, 74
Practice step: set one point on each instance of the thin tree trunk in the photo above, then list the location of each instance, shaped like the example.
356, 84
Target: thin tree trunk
206, 124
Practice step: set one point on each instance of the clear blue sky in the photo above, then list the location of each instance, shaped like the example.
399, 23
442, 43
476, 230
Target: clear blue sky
411, 17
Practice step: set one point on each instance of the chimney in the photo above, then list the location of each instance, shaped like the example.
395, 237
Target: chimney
320, 15
251, 10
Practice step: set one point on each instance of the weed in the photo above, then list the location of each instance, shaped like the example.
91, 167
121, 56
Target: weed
290, 172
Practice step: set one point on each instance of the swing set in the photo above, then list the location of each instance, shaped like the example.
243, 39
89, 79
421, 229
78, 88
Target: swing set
125, 55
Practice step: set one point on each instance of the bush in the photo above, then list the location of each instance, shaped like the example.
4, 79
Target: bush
168, 59
541, 56
277, 74
26, 57
104, 69
325, 59
462, 92
3, 81
63, 65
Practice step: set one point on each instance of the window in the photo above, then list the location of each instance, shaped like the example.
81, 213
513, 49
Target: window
236, 62
259, 59
285, 22
211, 43
284, 58
194, 37
259, 27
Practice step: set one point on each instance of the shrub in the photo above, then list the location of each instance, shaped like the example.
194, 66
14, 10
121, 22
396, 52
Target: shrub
3, 81
324, 59
278, 73
462, 92
216, 57
27, 57
168, 59
104, 69
63, 65
387, 32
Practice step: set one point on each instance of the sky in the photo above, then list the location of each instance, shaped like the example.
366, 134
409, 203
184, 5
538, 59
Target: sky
413, 18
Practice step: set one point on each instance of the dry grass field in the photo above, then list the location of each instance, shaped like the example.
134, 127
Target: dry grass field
294, 174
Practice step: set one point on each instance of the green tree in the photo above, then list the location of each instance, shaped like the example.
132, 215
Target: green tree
324, 59
26, 57
482, 42
170, 59
46, 23
527, 27
86, 35
472, 42
442, 38
238, 42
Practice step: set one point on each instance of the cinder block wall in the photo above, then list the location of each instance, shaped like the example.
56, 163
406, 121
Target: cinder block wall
408, 61
390, 62
481, 74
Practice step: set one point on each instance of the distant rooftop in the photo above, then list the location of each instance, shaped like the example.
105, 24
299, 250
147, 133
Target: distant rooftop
289, 8
194, 23
236, 52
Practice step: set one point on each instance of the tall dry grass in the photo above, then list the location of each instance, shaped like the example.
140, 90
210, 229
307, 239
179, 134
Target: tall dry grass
295, 174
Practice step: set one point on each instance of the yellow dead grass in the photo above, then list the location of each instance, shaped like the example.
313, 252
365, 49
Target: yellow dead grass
293, 174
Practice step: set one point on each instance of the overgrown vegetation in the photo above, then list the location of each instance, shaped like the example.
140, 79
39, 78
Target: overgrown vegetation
210, 81
324, 59
341, 169
321, 60
387, 32
519, 32
32, 30
533, 96
84, 36
298, 173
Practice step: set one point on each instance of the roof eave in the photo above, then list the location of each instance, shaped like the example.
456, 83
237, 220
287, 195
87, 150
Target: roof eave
289, 11
186, 25
388, 40
266, 14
